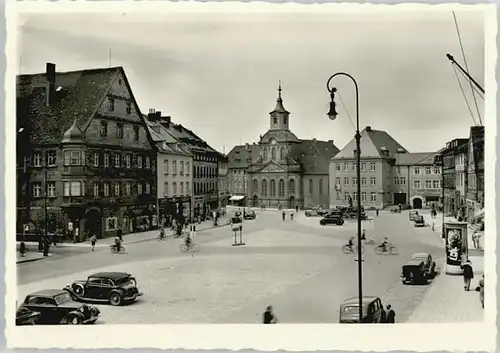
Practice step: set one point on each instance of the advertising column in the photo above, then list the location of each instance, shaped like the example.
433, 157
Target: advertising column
456, 247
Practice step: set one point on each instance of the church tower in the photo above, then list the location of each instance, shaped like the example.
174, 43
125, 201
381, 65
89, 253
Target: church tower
279, 117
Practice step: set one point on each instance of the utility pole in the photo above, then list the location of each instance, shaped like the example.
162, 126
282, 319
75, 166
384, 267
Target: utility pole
453, 61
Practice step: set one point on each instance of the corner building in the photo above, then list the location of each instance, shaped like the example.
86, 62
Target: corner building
281, 170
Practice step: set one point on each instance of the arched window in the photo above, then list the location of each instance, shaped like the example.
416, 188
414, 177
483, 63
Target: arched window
264, 187
310, 186
255, 186
283, 153
292, 186
273, 153
265, 154
275, 120
273, 187
282, 188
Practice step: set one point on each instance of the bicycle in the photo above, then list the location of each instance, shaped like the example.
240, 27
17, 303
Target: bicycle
114, 251
346, 249
186, 248
389, 249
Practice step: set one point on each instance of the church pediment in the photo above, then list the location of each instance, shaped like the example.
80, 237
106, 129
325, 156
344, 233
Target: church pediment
272, 168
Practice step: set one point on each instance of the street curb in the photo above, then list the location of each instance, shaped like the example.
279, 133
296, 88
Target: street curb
33, 259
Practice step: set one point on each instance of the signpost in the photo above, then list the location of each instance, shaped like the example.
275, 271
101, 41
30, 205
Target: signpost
237, 228
456, 247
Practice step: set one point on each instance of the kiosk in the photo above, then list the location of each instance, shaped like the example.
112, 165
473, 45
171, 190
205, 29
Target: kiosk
456, 247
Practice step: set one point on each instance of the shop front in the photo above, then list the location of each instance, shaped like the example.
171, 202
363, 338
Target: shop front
140, 218
175, 208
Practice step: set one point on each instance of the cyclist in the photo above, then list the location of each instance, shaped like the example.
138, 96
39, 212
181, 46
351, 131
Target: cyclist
350, 244
188, 241
118, 244
384, 244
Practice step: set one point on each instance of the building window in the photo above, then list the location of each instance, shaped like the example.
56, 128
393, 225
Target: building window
148, 163
148, 188
346, 196
282, 188
119, 130
95, 159
437, 170
363, 167
255, 186
282, 153
51, 158
273, 188
51, 189
111, 223
416, 184
106, 160
104, 128
117, 161
310, 186
264, 187
37, 189
337, 181
187, 168
346, 167
174, 167
139, 189
346, 181
354, 167
275, 121
182, 167
96, 189
402, 181
127, 188
111, 104
129, 108
355, 196
373, 197
136, 133
174, 188
396, 180
182, 188
117, 189
428, 184
165, 166
435, 184
73, 188
165, 188
273, 153
428, 170
372, 166
363, 196
416, 170
292, 186
354, 181
373, 181
337, 167
187, 187
76, 158
106, 189
127, 161
139, 161
37, 160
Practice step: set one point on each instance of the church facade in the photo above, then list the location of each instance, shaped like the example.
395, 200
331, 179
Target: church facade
281, 170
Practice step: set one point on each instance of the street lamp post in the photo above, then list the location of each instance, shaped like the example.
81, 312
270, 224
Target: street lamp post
438, 160
332, 114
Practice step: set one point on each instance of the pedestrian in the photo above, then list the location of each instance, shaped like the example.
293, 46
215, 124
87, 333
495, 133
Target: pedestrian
468, 274
269, 317
391, 315
291, 215
297, 208
363, 235
383, 316
119, 234
480, 289
376, 211
283, 215
22, 249
93, 240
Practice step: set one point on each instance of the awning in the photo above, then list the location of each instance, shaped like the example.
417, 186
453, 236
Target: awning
237, 198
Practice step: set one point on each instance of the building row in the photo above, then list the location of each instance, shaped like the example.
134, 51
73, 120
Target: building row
88, 160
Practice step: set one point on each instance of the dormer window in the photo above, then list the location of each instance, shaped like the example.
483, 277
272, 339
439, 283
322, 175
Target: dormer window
384, 151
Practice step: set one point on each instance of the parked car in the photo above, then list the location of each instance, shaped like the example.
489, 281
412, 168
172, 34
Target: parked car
412, 215
57, 306
249, 215
429, 264
418, 221
332, 219
372, 310
25, 316
413, 272
311, 213
115, 288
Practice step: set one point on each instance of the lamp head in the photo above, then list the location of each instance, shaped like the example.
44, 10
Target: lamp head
332, 113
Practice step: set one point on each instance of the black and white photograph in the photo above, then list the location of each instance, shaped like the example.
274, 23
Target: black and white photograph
227, 164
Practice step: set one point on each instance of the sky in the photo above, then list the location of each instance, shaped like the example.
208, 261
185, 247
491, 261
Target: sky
218, 73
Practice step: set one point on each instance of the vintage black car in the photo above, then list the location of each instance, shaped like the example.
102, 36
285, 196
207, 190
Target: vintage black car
372, 310
418, 221
333, 218
412, 215
56, 306
115, 288
413, 272
429, 264
249, 215
25, 316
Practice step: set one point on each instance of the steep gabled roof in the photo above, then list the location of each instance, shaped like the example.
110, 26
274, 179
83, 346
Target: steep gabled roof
420, 158
78, 95
165, 142
373, 143
240, 155
314, 156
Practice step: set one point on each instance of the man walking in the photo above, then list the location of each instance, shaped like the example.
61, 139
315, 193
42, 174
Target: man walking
468, 274
391, 315
283, 215
376, 211
269, 317
480, 289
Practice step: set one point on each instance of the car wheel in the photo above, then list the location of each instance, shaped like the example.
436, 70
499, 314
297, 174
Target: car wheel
115, 299
341, 222
74, 320
78, 289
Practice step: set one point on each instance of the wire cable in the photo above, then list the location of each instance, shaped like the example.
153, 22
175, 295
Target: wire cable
464, 95
479, 93
347, 112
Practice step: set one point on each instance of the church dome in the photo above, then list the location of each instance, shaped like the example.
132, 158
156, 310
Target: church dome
73, 135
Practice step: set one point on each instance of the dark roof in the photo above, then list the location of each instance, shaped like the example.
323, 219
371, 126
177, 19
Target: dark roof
78, 94
48, 292
243, 156
193, 141
111, 275
355, 300
420, 158
164, 140
314, 156
420, 254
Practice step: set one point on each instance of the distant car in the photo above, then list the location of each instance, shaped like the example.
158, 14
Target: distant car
25, 316
372, 310
115, 288
412, 215
429, 264
418, 221
57, 306
249, 215
312, 213
413, 272
332, 219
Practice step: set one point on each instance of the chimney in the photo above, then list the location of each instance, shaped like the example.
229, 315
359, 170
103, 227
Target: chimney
50, 76
368, 128
151, 114
165, 121
330, 142
157, 116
